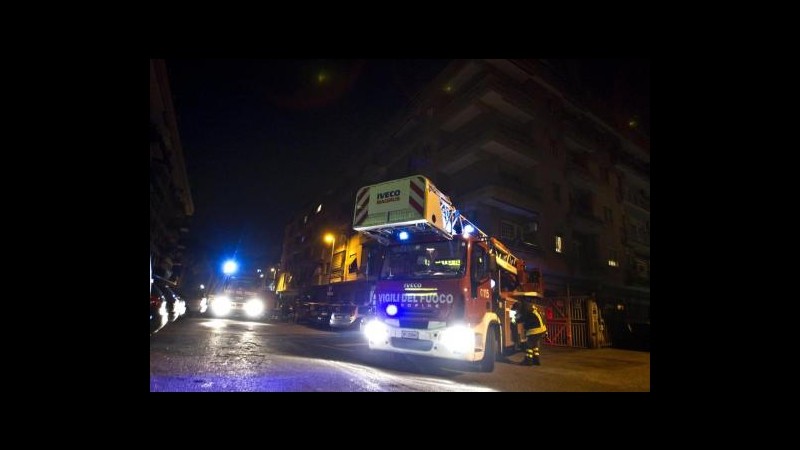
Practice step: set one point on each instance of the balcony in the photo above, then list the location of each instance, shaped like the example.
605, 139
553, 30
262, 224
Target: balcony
488, 138
586, 266
636, 169
584, 220
501, 194
486, 91
638, 200
638, 241
635, 278
578, 136
581, 176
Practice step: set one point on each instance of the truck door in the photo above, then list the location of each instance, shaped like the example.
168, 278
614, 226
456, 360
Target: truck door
481, 298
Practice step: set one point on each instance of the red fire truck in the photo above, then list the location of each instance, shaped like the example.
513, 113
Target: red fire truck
445, 288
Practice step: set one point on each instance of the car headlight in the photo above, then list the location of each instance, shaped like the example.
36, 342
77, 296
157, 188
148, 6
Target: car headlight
458, 339
221, 306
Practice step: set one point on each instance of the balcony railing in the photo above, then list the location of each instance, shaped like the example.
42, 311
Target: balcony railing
509, 97
580, 136
581, 175
632, 277
642, 201
633, 236
496, 137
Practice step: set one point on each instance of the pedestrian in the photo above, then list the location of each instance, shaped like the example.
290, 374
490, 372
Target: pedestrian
535, 329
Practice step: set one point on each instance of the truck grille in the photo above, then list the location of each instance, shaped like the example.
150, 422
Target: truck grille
412, 344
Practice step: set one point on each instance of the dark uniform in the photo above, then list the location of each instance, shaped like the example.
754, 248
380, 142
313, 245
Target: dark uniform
535, 329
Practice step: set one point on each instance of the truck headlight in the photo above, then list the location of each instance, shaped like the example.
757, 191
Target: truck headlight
458, 339
254, 307
376, 330
221, 306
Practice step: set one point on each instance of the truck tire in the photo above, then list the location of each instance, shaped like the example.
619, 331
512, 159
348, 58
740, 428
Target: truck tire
490, 351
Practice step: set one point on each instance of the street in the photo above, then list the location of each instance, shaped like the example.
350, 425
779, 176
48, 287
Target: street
220, 355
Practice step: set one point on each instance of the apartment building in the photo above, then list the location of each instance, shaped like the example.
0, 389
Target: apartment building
171, 204
526, 157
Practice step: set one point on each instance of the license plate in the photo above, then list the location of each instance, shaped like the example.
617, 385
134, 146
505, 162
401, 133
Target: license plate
409, 334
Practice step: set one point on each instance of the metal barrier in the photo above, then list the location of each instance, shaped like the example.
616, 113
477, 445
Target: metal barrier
566, 321
574, 321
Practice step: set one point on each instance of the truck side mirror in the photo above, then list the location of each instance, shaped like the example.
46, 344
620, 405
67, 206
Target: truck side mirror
493, 263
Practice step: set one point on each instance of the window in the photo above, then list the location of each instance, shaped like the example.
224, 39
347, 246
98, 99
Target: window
480, 263
608, 215
641, 267
353, 266
557, 192
559, 244
507, 230
554, 148
613, 259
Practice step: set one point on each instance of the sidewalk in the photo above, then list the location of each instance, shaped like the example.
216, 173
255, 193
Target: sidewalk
592, 370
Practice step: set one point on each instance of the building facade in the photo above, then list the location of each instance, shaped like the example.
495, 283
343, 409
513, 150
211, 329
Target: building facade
171, 205
563, 183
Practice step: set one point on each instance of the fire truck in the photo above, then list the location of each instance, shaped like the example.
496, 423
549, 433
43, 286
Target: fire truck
445, 288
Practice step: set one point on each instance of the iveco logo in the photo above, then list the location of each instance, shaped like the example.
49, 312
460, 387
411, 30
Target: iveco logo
387, 194
412, 285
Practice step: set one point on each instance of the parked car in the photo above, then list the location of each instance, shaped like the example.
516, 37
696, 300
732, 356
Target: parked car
305, 312
196, 301
158, 309
283, 313
320, 314
347, 316
176, 306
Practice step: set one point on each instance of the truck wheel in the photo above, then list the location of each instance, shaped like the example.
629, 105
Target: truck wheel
490, 352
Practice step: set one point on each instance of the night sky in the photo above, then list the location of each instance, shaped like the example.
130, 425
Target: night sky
261, 136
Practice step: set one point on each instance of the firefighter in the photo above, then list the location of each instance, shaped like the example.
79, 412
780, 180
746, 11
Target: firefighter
535, 329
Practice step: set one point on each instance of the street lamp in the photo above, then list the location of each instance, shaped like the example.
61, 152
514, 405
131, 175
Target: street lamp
332, 240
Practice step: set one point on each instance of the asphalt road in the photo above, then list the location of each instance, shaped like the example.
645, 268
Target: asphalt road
209, 355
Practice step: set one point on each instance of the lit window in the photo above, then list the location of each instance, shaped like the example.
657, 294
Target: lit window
612, 258
319, 208
559, 244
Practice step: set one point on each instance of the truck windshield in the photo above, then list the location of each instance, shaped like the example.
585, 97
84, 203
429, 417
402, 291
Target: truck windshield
246, 285
446, 259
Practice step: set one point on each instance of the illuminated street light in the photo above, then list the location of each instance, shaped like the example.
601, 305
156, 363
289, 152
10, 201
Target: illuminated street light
202, 286
332, 240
